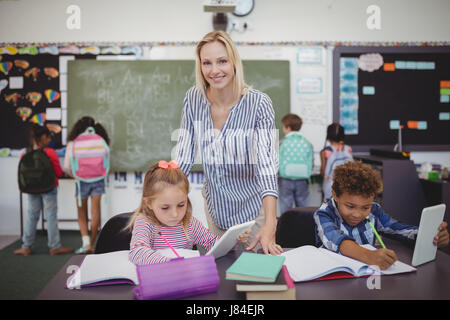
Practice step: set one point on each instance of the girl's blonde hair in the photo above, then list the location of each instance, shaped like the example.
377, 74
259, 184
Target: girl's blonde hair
239, 85
156, 179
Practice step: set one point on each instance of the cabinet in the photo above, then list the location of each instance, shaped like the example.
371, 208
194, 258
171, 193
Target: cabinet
403, 197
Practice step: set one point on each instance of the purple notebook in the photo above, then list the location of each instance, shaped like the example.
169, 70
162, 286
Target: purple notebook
177, 278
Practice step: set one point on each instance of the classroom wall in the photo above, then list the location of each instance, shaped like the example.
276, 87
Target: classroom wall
184, 20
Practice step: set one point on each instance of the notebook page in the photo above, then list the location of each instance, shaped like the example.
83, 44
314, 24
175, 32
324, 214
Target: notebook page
185, 253
102, 267
307, 263
397, 267
359, 268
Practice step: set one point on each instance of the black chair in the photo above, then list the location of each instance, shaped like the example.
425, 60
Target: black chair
296, 228
112, 237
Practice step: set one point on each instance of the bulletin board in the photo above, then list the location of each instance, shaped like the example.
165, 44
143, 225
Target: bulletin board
378, 89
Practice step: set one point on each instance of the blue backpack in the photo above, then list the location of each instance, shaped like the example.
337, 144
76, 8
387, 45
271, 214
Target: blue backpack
336, 159
296, 157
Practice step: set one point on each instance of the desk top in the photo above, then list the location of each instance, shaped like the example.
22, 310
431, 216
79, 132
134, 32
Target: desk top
430, 281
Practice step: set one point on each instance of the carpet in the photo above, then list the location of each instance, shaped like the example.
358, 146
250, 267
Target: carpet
22, 278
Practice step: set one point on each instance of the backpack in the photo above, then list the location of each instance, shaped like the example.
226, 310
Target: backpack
336, 158
36, 174
296, 157
89, 158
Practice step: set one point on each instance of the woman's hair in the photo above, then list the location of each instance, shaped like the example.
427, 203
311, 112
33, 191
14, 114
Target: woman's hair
239, 85
356, 178
82, 124
292, 121
156, 179
335, 132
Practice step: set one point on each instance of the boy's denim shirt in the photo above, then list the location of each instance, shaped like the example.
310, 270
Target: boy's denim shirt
331, 229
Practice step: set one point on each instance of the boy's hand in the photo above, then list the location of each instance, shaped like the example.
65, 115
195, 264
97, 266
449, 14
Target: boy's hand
382, 258
442, 238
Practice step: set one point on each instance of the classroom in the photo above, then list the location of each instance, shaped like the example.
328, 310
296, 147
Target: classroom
129, 65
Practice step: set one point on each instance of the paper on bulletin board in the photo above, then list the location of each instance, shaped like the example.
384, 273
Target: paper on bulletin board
310, 55
309, 85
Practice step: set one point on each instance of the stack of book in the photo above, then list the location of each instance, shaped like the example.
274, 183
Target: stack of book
262, 277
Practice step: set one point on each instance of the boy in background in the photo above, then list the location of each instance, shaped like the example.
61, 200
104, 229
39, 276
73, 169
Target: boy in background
296, 161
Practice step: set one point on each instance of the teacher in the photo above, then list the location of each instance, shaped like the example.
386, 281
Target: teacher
232, 126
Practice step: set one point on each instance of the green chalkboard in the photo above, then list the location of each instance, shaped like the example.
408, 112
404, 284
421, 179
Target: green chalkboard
140, 102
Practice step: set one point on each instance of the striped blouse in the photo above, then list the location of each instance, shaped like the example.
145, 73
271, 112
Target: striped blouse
240, 161
145, 240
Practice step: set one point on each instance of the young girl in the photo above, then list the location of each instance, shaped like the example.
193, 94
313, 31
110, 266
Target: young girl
336, 153
40, 138
94, 190
165, 213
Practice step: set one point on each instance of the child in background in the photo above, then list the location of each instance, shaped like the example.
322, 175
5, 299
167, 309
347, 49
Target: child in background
342, 224
296, 161
93, 190
333, 155
165, 212
45, 201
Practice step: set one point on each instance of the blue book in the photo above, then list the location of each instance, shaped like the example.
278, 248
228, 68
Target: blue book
255, 267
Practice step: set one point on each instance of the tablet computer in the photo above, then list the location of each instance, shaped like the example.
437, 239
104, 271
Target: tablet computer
229, 239
425, 250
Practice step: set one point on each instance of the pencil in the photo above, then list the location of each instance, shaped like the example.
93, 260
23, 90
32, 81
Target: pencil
376, 233
167, 242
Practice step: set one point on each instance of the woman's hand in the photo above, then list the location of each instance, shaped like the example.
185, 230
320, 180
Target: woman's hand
266, 237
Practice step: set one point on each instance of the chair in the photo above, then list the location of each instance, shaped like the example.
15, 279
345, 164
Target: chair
296, 228
112, 237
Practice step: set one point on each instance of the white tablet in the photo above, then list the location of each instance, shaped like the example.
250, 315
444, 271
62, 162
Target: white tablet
229, 239
425, 250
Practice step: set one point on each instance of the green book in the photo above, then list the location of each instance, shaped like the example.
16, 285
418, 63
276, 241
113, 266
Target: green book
255, 267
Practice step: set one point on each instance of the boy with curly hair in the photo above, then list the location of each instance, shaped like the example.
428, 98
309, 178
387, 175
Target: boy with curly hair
342, 224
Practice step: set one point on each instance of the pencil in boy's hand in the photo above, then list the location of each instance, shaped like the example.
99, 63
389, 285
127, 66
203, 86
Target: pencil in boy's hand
376, 233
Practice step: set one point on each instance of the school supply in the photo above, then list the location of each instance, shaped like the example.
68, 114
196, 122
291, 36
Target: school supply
425, 250
286, 294
36, 174
376, 233
296, 157
112, 268
308, 263
177, 278
229, 239
280, 284
89, 158
170, 246
255, 267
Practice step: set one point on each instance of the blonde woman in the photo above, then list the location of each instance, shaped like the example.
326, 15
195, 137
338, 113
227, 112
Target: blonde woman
232, 127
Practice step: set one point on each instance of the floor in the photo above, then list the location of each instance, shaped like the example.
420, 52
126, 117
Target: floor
7, 240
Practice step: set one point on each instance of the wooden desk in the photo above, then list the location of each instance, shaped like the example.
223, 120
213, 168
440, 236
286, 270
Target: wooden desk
430, 281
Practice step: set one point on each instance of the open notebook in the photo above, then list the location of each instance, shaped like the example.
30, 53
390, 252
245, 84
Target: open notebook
113, 268
308, 263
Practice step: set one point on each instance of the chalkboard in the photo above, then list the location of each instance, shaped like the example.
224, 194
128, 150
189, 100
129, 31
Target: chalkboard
140, 102
405, 88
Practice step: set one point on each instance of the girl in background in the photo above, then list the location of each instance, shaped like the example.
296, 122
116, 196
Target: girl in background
93, 190
336, 153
